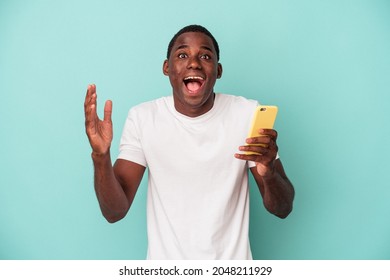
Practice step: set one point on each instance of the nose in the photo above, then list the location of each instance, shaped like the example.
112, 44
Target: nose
194, 63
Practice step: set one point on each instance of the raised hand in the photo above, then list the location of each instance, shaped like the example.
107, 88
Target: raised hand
99, 132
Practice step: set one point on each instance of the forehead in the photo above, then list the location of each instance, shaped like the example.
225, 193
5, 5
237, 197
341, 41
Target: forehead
194, 40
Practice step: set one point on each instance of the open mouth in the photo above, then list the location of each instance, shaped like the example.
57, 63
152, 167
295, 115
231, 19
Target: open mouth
193, 83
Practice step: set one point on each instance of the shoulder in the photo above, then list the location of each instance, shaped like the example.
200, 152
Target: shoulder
147, 105
151, 107
236, 101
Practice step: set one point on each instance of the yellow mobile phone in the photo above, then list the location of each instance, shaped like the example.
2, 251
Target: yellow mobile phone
263, 117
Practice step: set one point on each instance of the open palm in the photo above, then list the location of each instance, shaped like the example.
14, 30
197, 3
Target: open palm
99, 132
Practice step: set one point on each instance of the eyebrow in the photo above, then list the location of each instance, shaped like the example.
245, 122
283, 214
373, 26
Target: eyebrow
187, 46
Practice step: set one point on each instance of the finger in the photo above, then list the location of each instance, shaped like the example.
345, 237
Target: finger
268, 144
90, 99
90, 109
254, 149
108, 110
90, 91
273, 146
91, 120
269, 132
91, 94
263, 158
263, 140
252, 157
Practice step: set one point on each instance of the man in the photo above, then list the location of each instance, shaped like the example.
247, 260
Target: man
192, 144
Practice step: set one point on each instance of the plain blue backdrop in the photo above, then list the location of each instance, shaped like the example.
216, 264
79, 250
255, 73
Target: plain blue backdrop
326, 64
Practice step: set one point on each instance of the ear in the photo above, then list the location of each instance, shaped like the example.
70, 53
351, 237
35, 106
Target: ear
166, 67
219, 69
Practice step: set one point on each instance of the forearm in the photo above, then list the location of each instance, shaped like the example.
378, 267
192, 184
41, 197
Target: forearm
111, 196
278, 194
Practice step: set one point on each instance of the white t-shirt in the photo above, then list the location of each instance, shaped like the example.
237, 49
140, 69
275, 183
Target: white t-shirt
198, 197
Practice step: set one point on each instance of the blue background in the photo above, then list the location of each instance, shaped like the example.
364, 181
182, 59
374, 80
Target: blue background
326, 64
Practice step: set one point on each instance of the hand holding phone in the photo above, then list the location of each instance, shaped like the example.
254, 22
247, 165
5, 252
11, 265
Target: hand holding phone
263, 117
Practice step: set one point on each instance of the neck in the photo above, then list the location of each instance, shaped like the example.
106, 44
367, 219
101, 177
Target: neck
194, 109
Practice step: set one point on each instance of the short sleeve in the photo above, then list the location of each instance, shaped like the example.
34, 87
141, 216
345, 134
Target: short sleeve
130, 147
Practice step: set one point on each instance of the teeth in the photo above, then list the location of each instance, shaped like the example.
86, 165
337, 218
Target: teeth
193, 78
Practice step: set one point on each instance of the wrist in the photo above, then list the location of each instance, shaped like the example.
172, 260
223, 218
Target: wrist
267, 171
268, 174
97, 156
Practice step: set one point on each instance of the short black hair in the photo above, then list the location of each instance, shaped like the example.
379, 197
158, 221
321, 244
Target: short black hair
192, 28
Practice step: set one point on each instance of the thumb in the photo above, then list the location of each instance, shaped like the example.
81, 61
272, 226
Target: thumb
108, 110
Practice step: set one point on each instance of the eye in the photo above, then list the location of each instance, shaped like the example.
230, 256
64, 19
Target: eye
182, 55
205, 56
